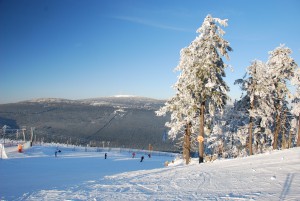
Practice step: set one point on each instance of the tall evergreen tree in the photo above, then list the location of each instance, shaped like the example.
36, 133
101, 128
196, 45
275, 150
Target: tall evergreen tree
282, 67
296, 103
180, 121
200, 86
259, 89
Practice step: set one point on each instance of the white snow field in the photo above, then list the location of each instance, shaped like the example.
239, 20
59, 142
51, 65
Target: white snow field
78, 175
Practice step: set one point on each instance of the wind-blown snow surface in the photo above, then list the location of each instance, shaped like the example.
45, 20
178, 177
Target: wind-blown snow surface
79, 175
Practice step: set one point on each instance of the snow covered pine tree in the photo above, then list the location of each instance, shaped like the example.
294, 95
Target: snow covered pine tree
296, 103
267, 90
200, 84
282, 67
259, 87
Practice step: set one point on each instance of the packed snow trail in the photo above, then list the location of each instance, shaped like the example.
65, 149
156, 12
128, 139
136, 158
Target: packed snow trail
270, 176
38, 169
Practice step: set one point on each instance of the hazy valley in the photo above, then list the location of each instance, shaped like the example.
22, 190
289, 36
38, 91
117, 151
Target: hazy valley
116, 121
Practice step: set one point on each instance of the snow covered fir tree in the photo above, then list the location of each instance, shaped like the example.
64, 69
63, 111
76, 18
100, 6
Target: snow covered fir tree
265, 118
201, 90
267, 93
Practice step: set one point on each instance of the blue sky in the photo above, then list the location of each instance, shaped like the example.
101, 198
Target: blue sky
78, 49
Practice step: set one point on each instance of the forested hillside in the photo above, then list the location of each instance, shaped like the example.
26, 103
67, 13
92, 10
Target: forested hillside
114, 122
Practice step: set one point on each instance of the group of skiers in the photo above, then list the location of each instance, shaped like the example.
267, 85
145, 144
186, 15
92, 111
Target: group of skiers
142, 157
133, 156
105, 155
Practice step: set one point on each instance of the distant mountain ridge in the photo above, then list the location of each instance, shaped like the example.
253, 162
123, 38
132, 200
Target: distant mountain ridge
116, 101
123, 121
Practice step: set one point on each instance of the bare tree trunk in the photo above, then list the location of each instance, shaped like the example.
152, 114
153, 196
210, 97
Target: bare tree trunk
277, 127
250, 129
184, 146
290, 139
298, 140
250, 136
283, 144
188, 143
201, 133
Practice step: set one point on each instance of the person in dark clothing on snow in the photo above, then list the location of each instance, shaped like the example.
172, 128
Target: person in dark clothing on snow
142, 158
105, 155
57, 151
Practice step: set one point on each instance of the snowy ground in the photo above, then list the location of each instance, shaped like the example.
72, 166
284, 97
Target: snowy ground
80, 175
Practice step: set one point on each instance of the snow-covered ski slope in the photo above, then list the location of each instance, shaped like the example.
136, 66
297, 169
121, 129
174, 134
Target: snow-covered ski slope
80, 175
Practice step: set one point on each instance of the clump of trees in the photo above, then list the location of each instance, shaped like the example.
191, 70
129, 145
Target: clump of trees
264, 118
270, 111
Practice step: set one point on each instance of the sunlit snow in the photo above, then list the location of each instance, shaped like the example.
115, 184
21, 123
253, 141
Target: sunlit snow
79, 174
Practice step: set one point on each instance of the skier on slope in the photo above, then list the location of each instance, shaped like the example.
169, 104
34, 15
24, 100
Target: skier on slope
57, 151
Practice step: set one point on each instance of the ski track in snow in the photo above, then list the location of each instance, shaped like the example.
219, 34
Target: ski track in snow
274, 176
